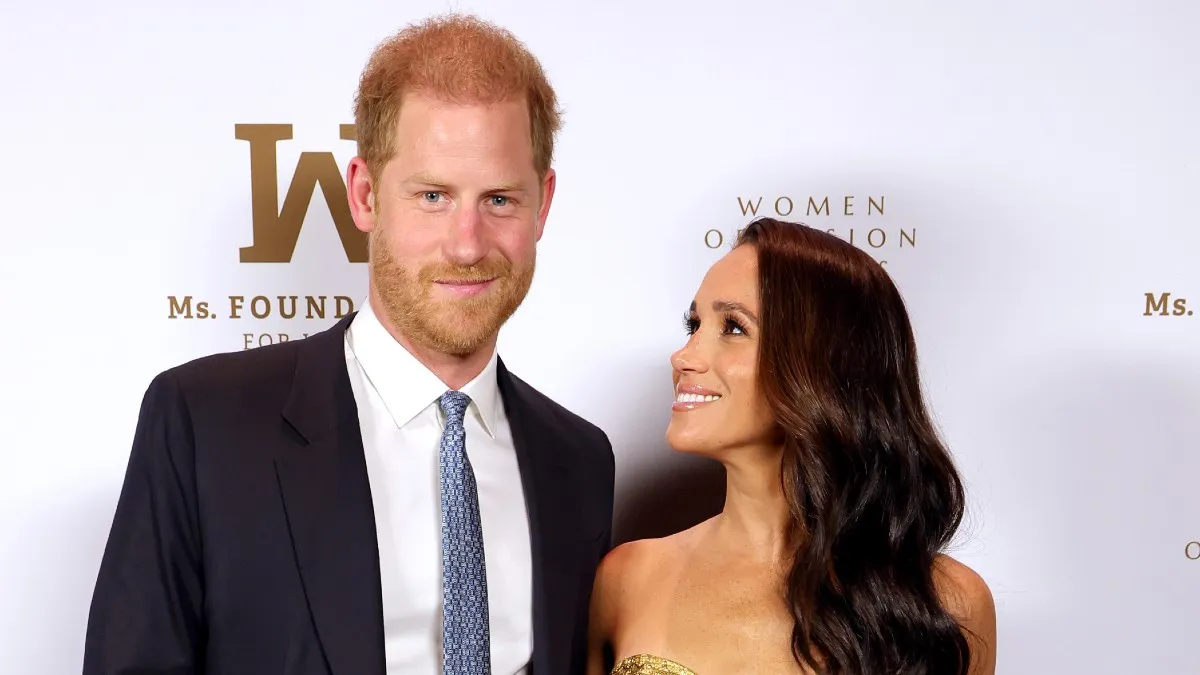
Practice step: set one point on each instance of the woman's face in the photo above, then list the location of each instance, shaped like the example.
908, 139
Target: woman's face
718, 404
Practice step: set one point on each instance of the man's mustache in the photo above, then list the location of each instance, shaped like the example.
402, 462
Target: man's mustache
482, 271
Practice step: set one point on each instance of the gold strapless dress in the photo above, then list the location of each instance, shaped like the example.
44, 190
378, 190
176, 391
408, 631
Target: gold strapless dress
645, 664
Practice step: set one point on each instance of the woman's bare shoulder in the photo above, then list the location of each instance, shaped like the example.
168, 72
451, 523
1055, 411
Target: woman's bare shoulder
963, 591
631, 568
626, 563
968, 598
620, 580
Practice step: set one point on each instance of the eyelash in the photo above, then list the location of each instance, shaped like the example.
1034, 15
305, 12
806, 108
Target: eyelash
691, 324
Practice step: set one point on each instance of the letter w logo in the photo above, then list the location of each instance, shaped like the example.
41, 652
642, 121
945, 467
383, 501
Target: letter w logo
276, 231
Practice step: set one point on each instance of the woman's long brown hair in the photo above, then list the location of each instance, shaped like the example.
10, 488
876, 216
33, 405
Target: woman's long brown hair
873, 493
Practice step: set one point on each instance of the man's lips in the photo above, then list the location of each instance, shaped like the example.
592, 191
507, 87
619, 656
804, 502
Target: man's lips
465, 288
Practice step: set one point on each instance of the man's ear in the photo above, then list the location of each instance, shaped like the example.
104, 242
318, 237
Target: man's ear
360, 194
548, 185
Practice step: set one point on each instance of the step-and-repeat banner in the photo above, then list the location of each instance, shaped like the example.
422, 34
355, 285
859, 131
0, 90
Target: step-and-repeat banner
172, 186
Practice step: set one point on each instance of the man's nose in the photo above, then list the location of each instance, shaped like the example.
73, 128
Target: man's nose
466, 243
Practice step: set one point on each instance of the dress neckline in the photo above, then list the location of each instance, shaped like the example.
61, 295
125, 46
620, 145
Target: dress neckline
648, 664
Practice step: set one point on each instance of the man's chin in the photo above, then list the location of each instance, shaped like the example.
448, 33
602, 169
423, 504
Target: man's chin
460, 333
456, 343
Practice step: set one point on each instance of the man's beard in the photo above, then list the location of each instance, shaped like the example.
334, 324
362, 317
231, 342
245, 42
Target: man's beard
451, 326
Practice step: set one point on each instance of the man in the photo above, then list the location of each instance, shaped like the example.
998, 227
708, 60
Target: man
384, 495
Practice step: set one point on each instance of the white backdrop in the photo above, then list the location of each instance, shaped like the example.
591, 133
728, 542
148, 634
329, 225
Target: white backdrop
1037, 164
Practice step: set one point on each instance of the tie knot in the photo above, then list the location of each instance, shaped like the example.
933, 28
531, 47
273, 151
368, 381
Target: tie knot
454, 405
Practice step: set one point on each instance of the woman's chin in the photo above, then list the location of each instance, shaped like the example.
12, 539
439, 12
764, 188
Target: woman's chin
689, 444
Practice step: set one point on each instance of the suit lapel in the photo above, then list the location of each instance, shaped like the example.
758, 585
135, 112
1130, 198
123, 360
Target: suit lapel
554, 526
327, 500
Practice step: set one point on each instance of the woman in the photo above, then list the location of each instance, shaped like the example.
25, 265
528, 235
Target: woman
800, 376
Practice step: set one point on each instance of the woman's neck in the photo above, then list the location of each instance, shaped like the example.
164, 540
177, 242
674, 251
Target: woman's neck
756, 513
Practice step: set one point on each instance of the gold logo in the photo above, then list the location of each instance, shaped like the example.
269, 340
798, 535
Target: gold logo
275, 230
879, 237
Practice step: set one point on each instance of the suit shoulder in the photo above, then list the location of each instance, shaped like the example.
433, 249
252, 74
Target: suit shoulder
573, 421
229, 373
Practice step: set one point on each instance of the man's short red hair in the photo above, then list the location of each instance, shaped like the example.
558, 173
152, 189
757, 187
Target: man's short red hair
455, 59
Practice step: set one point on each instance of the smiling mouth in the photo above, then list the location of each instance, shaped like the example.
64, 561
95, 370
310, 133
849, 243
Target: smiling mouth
686, 401
465, 288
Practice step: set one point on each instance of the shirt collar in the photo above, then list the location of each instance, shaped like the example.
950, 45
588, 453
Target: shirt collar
404, 384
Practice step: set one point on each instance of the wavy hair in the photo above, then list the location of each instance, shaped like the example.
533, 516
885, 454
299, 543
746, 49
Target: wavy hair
872, 490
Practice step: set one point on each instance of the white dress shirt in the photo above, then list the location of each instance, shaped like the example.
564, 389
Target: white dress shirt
402, 425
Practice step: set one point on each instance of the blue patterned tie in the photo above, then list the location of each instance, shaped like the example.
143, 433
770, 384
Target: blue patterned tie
465, 643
